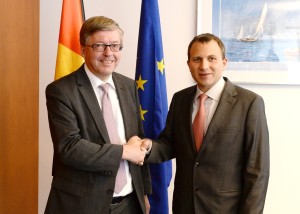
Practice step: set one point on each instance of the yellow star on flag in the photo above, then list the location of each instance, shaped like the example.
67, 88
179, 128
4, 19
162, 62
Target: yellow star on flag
142, 113
140, 83
161, 66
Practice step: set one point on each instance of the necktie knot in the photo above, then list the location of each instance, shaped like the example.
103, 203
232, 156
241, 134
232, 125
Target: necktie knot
202, 97
105, 87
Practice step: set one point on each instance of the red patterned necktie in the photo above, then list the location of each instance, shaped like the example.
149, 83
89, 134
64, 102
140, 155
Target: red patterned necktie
110, 122
199, 122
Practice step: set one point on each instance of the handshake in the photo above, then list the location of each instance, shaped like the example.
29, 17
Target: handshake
136, 149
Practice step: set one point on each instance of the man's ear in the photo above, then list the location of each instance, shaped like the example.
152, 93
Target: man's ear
82, 51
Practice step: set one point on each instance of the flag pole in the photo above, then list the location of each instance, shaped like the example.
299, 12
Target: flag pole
83, 13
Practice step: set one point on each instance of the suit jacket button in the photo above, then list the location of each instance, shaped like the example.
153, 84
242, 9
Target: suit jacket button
196, 164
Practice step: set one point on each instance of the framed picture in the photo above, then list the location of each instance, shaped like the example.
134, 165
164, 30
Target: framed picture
262, 38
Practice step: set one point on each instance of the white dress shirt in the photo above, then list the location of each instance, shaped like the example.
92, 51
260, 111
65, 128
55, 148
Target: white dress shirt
210, 103
96, 82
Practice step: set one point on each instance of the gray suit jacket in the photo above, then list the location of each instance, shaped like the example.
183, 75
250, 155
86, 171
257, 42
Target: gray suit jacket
85, 163
229, 174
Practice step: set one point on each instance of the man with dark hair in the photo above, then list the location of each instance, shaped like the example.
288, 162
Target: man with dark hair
218, 133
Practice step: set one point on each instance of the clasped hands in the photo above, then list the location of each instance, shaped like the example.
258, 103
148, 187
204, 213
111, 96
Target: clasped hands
136, 149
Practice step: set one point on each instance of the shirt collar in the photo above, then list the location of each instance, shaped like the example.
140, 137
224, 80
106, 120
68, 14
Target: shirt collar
95, 81
214, 92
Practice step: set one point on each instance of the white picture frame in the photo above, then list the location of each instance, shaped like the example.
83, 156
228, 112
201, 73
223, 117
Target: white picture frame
212, 17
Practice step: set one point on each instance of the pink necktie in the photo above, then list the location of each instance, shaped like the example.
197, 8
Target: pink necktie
112, 130
199, 122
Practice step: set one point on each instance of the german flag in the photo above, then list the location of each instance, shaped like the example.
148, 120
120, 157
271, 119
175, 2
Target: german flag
69, 56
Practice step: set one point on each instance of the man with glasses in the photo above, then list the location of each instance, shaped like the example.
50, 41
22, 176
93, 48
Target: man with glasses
93, 115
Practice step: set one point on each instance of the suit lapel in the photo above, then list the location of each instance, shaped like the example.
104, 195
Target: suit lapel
227, 100
187, 113
123, 99
184, 109
90, 99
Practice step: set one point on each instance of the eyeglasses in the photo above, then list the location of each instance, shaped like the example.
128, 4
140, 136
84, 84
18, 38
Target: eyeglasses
99, 47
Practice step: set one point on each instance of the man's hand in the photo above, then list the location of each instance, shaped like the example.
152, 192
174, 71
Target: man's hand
133, 152
146, 145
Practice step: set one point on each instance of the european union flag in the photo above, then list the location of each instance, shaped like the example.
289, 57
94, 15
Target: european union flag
151, 84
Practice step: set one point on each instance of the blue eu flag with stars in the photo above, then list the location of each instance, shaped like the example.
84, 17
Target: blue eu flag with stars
151, 84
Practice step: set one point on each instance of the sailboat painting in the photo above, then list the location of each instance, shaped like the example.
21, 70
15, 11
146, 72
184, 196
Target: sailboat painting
258, 33
258, 30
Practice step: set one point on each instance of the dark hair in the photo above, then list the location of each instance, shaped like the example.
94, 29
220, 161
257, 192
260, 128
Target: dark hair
98, 23
205, 38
